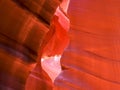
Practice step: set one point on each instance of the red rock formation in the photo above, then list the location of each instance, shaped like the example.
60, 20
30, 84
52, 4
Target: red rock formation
23, 26
31, 30
91, 61
55, 42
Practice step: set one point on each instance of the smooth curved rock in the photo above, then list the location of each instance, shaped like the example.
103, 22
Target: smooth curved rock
31, 30
22, 32
91, 61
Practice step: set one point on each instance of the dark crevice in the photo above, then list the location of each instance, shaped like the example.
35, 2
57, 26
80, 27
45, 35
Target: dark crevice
20, 4
18, 47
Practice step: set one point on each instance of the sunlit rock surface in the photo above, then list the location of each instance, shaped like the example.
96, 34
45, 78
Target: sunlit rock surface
55, 43
52, 66
23, 26
34, 35
92, 60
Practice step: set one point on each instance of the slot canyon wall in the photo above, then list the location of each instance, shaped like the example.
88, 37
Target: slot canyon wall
23, 26
83, 34
91, 60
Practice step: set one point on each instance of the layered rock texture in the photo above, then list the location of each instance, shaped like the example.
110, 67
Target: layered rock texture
92, 60
83, 35
23, 27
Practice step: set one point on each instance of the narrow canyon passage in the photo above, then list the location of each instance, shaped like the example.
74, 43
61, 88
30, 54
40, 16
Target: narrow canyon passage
59, 44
